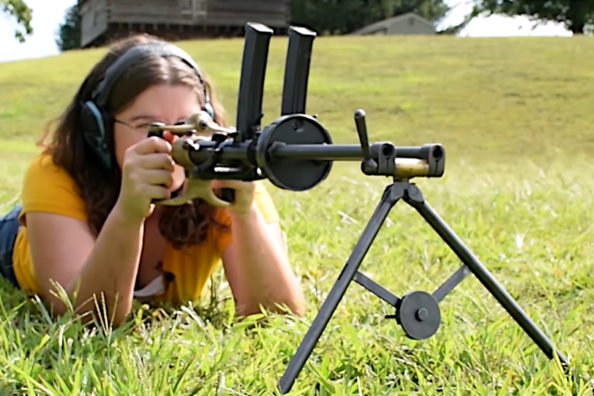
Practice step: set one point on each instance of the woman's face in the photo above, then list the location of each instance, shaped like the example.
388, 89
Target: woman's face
160, 103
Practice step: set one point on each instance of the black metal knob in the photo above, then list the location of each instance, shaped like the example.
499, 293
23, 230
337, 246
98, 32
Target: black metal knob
362, 131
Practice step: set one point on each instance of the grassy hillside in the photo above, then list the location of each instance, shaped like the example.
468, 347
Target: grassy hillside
515, 117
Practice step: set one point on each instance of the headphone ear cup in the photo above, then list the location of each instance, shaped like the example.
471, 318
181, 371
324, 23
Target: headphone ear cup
97, 132
209, 110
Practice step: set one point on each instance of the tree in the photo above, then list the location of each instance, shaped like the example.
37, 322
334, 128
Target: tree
23, 15
345, 16
574, 14
69, 33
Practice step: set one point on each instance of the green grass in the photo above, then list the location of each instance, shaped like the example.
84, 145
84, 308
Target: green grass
515, 117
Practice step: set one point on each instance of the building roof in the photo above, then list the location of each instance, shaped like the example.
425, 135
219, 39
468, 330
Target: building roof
389, 21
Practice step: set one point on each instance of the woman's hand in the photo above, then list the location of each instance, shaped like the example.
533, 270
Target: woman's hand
147, 174
244, 194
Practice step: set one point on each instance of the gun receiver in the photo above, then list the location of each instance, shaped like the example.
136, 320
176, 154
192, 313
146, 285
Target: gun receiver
294, 153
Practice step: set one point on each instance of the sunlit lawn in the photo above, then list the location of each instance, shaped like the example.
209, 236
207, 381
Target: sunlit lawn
515, 117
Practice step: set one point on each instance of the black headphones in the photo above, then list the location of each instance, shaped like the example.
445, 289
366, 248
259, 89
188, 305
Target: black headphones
97, 122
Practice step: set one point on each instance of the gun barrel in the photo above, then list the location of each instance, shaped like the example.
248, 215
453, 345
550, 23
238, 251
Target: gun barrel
337, 152
409, 162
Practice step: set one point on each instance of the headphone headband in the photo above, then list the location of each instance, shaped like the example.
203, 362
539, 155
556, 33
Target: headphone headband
135, 54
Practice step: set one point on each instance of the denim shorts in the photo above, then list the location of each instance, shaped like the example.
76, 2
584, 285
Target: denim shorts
9, 227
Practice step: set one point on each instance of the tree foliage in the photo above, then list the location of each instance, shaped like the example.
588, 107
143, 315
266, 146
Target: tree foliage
346, 16
574, 14
23, 14
69, 33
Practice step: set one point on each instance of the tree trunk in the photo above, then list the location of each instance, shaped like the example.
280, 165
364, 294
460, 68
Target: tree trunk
576, 16
577, 28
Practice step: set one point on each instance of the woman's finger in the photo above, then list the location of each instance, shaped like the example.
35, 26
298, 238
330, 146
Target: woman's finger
156, 161
156, 177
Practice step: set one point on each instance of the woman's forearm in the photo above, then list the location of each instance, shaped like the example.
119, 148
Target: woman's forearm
262, 274
106, 282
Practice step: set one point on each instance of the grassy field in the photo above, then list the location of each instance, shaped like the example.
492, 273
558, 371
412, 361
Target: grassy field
516, 119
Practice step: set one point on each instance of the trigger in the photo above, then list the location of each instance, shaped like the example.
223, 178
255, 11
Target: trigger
227, 194
214, 200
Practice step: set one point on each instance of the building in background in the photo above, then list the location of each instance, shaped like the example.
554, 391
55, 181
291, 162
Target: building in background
104, 20
408, 23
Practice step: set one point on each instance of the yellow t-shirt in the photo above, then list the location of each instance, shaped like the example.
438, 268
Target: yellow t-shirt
50, 189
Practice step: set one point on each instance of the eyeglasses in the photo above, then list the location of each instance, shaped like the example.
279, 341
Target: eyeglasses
141, 128
144, 127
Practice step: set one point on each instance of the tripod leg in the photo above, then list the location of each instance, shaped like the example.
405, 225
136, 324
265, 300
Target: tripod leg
390, 197
416, 200
452, 282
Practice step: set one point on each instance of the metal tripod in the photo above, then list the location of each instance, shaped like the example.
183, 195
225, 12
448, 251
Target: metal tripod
418, 312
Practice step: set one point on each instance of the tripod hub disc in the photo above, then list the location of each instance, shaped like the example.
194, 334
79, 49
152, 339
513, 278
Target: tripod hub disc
418, 314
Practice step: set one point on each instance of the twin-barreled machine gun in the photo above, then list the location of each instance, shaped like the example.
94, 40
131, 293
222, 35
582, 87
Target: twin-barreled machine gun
295, 152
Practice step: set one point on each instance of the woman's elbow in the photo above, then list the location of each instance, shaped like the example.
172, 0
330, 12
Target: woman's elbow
298, 307
93, 311
294, 305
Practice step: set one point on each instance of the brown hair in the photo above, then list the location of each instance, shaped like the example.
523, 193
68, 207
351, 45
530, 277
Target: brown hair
181, 225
